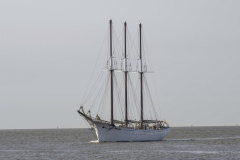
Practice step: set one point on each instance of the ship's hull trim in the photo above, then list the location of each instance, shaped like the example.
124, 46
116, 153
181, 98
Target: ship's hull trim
108, 133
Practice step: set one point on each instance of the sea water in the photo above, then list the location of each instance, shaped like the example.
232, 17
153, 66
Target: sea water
66, 144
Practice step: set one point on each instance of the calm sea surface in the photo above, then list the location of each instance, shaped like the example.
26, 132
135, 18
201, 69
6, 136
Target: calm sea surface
65, 144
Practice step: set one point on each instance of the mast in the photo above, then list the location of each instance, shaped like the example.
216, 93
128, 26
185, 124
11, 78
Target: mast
111, 72
141, 75
125, 51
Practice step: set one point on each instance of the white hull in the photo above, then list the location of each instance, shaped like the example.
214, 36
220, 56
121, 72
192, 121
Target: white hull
106, 133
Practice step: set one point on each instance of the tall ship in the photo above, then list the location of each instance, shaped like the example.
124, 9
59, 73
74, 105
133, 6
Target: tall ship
124, 109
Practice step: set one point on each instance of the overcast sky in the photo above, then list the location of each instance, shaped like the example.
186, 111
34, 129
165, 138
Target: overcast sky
48, 48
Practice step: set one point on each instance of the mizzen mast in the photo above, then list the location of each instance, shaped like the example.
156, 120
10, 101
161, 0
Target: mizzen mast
141, 75
111, 72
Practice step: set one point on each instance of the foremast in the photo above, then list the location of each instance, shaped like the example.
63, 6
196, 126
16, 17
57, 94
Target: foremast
126, 73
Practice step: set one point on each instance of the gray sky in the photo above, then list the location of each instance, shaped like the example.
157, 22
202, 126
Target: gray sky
47, 48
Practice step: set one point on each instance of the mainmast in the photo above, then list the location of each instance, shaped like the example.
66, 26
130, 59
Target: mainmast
126, 72
111, 72
141, 75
